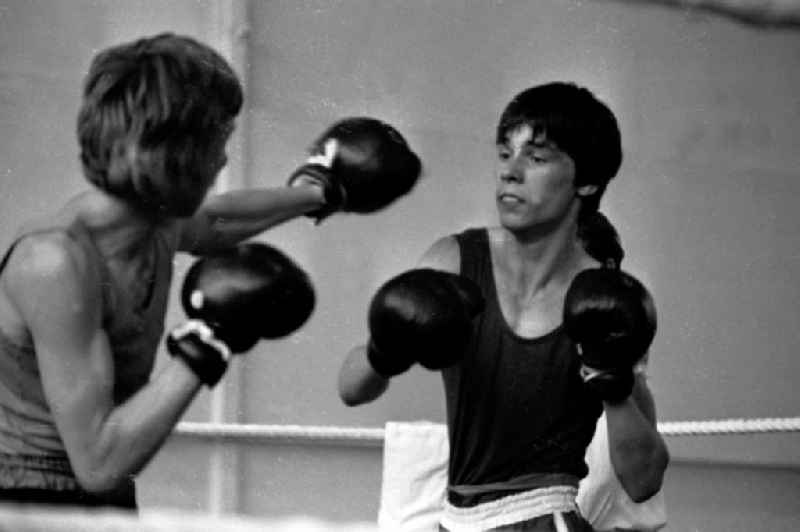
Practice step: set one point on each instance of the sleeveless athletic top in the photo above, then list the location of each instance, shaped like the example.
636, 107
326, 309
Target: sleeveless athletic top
31, 452
517, 412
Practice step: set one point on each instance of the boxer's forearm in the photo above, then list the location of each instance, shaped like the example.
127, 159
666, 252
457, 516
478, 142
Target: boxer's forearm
638, 452
227, 219
133, 432
358, 382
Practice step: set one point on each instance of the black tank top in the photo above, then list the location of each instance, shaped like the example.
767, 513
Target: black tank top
516, 407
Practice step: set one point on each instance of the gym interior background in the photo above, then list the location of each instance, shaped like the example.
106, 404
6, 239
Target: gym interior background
706, 204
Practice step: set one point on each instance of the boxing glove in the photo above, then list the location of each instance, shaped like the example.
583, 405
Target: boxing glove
362, 165
234, 298
611, 318
421, 316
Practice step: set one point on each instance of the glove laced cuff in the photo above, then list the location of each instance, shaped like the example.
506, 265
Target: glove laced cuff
319, 171
195, 344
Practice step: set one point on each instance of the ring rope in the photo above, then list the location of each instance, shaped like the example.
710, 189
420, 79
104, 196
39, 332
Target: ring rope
729, 426
374, 436
286, 433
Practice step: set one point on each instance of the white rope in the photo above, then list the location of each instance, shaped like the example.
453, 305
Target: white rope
373, 437
729, 426
284, 433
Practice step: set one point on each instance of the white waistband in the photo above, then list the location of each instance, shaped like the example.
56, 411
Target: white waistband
511, 509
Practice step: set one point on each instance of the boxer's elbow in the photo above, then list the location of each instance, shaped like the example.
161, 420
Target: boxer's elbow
358, 383
640, 465
348, 393
640, 491
350, 398
99, 477
355, 392
111, 457
643, 473
98, 483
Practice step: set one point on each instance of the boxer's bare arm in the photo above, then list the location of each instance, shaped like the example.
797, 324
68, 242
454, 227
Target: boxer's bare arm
53, 285
358, 383
228, 218
637, 450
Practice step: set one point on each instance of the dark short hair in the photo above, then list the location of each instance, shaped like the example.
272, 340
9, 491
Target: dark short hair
151, 111
577, 122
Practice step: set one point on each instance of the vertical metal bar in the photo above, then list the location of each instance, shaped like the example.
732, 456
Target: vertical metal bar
229, 25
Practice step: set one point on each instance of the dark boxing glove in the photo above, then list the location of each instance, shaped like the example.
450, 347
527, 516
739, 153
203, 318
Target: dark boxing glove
421, 316
611, 318
362, 165
233, 299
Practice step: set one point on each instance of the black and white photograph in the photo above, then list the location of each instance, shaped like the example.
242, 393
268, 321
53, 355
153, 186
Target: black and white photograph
399, 265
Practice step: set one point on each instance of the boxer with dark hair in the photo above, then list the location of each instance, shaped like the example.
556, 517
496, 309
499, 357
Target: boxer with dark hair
519, 413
